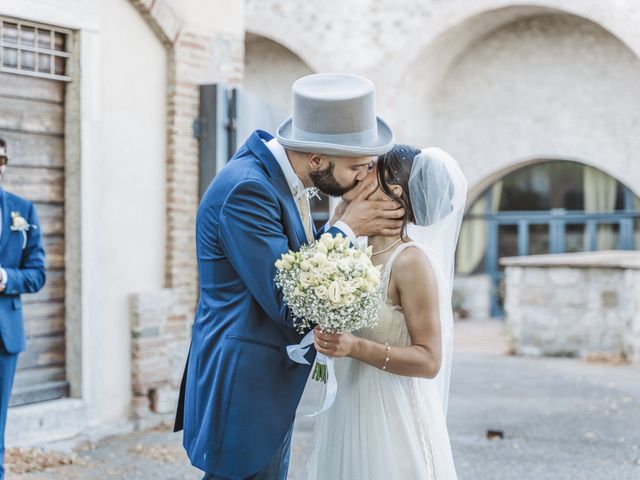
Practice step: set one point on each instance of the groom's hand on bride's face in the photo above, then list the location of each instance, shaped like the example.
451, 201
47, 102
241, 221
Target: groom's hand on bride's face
368, 217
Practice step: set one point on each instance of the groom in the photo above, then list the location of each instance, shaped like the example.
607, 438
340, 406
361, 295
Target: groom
22, 270
240, 391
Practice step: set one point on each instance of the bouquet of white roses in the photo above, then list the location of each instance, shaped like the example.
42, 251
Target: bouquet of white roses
330, 284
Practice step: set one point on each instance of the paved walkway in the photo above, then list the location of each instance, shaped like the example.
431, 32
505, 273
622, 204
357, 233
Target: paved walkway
560, 418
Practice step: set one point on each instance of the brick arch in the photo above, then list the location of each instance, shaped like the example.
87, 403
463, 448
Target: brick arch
293, 38
161, 18
437, 50
480, 185
459, 29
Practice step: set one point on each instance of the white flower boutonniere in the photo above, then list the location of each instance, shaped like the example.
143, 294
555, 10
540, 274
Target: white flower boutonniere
19, 224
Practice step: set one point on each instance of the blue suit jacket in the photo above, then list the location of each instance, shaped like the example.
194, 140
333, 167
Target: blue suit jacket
25, 268
240, 390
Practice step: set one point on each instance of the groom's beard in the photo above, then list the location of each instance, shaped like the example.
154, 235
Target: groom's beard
325, 181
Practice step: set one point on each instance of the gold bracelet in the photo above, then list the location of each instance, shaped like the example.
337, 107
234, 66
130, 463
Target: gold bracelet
386, 360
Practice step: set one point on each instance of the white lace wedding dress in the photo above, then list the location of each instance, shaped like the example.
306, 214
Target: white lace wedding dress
383, 426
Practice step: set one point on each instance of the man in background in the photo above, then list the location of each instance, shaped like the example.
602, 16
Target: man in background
22, 270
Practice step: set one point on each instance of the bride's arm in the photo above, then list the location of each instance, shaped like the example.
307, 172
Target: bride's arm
418, 291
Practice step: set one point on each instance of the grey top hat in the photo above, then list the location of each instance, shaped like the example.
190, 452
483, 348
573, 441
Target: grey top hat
334, 114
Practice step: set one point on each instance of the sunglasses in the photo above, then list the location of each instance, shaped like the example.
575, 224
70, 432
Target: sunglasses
3, 160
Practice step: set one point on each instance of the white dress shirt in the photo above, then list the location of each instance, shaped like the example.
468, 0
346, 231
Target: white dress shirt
297, 187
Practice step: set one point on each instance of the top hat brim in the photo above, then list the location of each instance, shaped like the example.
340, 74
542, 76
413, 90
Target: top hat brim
384, 142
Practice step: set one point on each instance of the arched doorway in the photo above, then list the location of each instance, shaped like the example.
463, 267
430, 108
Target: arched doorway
270, 69
550, 206
533, 87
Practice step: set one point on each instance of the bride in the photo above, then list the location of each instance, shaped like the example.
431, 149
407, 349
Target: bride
388, 419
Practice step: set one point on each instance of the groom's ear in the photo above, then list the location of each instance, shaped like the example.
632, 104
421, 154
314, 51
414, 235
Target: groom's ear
316, 161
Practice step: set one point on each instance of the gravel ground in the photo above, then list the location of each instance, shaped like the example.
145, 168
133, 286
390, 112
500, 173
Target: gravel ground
560, 419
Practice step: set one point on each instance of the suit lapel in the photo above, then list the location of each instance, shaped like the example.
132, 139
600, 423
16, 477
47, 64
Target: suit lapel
262, 152
6, 220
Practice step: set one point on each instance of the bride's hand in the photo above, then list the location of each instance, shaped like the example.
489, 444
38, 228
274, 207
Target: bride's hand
334, 345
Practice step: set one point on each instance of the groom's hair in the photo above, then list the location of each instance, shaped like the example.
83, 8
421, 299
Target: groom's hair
394, 168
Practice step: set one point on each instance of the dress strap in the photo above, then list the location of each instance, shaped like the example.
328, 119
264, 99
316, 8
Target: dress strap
386, 272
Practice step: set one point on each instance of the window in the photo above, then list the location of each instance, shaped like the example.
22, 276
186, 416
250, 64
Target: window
33, 49
558, 185
549, 207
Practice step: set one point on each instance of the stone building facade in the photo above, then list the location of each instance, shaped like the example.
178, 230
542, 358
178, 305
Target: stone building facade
129, 169
500, 84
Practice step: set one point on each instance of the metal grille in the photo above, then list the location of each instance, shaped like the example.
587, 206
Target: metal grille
33, 49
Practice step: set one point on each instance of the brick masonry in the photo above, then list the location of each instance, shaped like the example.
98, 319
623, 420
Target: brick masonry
161, 321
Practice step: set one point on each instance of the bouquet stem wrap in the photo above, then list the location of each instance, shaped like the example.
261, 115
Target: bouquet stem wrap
297, 353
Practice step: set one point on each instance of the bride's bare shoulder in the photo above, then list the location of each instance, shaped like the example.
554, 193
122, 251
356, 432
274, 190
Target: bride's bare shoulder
411, 266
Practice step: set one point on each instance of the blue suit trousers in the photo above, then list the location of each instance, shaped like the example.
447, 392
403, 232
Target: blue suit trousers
7, 372
276, 469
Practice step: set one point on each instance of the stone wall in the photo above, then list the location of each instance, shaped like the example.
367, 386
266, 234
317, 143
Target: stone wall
583, 305
472, 293
496, 82
154, 391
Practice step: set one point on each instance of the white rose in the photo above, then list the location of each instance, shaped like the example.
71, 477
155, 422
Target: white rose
348, 299
327, 240
334, 292
322, 248
306, 279
364, 261
287, 257
283, 265
345, 265
328, 268
319, 258
321, 292
305, 265
360, 283
373, 275
349, 286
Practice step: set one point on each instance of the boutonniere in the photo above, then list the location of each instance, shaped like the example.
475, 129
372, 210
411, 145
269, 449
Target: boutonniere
313, 192
19, 224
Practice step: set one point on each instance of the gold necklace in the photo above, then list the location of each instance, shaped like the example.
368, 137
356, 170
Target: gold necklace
388, 248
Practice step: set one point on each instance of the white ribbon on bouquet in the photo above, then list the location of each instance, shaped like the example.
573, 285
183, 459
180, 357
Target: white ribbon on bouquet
297, 353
